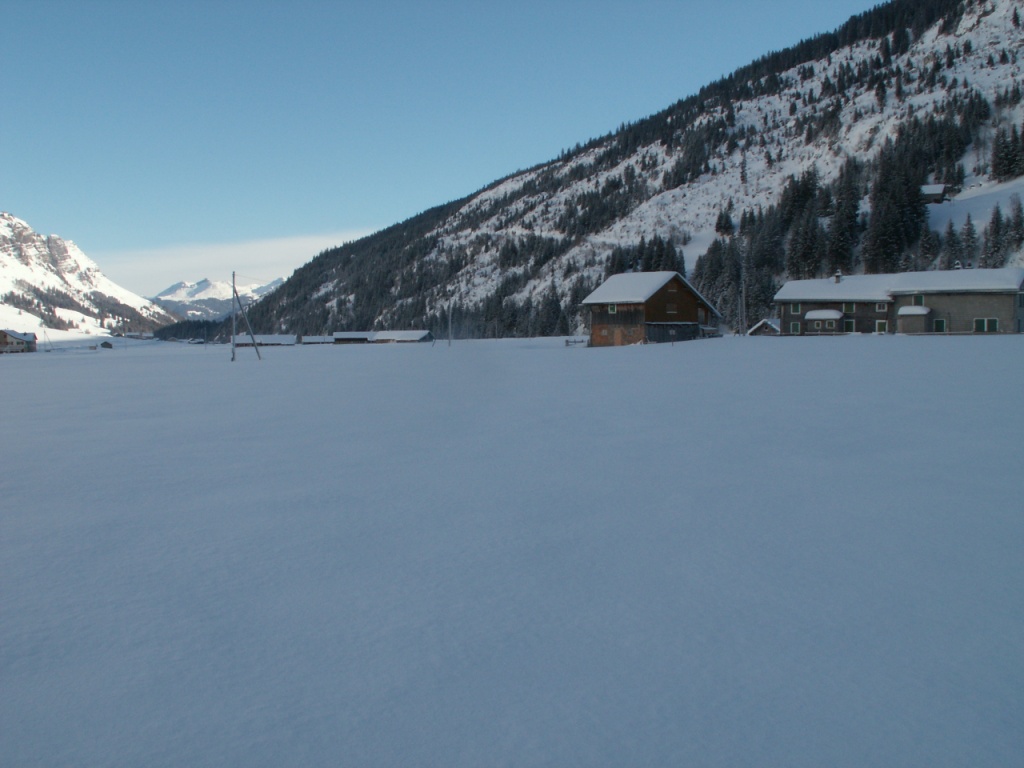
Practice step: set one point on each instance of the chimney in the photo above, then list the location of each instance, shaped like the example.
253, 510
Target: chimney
839, 275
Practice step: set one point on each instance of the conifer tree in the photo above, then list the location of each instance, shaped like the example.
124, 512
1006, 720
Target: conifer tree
969, 238
952, 247
1016, 224
993, 251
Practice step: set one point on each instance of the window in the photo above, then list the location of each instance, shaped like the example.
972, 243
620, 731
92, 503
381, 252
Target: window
881, 326
918, 300
817, 325
794, 329
794, 308
849, 307
939, 325
612, 309
986, 325
1020, 299
830, 325
670, 309
880, 307
849, 326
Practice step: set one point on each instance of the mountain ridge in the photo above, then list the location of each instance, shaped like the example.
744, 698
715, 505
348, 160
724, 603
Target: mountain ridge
500, 260
48, 282
209, 299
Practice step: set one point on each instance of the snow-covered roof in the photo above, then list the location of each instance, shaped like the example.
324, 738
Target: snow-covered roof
824, 314
349, 335
267, 339
933, 189
1007, 279
381, 336
630, 287
638, 287
883, 287
853, 288
765, 323
21, 336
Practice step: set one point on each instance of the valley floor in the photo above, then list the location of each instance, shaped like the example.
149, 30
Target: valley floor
728, 552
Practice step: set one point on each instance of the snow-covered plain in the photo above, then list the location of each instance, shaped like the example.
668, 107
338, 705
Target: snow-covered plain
730, 552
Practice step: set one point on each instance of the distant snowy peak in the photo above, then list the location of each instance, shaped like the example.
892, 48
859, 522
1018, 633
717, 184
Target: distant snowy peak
53, 280
208, 299
213, 289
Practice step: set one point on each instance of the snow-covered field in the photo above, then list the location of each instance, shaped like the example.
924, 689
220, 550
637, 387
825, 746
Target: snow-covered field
797, 552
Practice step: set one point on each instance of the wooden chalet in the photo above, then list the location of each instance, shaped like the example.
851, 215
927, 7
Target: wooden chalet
12, 341
649, 308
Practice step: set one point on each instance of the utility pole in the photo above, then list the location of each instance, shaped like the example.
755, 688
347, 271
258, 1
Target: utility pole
234, 293
245, 317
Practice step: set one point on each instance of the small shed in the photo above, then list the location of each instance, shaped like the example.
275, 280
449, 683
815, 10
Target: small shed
649, 308
934, 193
766, 327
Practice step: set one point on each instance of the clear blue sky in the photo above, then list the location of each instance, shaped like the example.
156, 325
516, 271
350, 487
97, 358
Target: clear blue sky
181, 140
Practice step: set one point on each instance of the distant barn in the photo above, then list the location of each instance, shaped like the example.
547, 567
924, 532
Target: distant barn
352, 337
267, 340
649, 308
382, 337
401, 337
934, 193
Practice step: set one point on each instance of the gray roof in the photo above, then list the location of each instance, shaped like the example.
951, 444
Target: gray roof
883, 287
20, 336
401, 336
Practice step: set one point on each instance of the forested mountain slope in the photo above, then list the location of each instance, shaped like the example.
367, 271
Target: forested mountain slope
803, 162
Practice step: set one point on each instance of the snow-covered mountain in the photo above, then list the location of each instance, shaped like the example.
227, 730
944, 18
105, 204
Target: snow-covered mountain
517, 257
208, 299
47, 282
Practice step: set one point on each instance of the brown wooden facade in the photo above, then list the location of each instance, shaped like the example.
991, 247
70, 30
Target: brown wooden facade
673, 312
